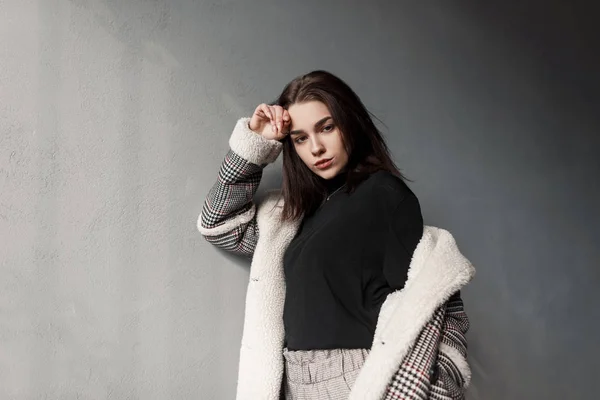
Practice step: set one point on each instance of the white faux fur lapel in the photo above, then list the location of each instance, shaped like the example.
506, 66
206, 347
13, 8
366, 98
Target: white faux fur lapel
437, 270
261, 356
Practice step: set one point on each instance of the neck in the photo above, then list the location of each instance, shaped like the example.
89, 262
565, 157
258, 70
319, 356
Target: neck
334, 183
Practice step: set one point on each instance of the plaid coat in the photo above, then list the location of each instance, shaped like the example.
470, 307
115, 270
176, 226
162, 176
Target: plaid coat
419, 350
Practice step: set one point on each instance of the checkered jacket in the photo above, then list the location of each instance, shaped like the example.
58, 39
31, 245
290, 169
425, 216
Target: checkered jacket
433, 365
231, 200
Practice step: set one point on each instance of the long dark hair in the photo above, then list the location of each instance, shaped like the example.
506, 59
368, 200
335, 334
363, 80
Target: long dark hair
303, 191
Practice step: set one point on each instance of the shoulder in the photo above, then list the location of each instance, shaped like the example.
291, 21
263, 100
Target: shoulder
388, 184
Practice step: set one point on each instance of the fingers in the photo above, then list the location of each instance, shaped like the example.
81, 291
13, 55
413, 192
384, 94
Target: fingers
265, 111
278, 111
277, 116
286, 118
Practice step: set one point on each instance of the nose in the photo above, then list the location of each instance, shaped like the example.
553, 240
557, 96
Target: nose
316, 147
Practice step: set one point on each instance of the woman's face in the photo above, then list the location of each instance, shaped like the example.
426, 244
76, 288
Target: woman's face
317, 140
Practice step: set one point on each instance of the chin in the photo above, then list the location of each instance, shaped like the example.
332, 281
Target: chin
329, 174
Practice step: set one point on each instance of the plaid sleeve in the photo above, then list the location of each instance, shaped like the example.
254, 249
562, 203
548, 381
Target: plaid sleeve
412, 381
453, 372
228, 218
435, 367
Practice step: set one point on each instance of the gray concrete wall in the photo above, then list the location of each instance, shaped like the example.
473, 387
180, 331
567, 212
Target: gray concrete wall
114, 118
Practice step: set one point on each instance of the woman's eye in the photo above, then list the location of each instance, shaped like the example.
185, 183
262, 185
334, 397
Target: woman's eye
299, 140
328, 128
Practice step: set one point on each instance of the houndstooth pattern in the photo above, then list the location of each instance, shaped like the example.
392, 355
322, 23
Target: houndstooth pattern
427, 373
230, 196
412, 379
451, 384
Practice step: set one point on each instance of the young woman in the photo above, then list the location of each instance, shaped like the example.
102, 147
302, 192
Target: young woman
350, 295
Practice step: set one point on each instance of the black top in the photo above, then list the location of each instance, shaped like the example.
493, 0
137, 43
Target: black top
345, 259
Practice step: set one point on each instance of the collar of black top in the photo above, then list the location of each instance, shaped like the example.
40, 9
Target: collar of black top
335, 183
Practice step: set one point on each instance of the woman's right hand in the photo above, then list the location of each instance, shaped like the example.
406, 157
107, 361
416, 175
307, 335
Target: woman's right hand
271, 122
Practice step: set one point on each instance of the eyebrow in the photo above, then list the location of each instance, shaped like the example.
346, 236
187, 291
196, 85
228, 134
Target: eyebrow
318, 124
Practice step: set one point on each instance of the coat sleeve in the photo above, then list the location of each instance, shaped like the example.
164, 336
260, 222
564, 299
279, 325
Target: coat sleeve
452, 374
228, 217
435, 368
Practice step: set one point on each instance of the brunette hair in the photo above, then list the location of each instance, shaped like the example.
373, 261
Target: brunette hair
303, 191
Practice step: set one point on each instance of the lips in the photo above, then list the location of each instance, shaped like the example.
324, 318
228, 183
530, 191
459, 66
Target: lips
324, 163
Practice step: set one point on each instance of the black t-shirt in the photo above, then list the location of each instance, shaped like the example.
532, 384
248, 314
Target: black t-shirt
344, 261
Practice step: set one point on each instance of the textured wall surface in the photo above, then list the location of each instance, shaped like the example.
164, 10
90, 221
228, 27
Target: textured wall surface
114, 118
